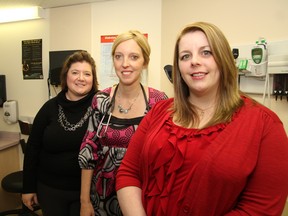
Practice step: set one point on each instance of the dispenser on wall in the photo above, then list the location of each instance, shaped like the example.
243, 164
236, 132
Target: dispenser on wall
10, 113
259, 56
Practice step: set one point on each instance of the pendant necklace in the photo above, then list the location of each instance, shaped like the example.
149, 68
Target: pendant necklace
125, 111
201, 112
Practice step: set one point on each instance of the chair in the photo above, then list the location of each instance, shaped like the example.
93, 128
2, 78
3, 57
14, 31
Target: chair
13, 182
168, 71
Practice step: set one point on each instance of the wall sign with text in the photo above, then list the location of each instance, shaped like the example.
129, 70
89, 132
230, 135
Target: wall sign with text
32, 59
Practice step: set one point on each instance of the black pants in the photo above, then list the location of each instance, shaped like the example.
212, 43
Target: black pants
55, 202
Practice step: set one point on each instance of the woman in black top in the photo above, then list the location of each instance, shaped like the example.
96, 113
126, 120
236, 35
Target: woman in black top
51, 171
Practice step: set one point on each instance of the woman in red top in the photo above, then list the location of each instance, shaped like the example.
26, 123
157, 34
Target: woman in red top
210, 150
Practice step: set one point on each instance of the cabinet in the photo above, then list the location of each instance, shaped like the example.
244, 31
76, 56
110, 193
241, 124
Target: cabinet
277, 64
9, 162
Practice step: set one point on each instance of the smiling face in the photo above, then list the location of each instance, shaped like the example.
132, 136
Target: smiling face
128, 62
79, 80
197, 64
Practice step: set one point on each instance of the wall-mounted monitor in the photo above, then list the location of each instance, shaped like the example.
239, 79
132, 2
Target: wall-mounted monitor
3, 96
56, 60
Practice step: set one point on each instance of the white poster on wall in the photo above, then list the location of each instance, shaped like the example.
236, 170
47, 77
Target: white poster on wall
107, 73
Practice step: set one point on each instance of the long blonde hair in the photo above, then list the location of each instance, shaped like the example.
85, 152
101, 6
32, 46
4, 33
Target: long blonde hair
228, 96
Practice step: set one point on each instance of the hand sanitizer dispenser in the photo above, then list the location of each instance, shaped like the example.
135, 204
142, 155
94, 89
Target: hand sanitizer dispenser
259, 58
10, 109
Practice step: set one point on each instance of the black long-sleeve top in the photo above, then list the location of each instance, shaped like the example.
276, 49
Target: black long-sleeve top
51, 155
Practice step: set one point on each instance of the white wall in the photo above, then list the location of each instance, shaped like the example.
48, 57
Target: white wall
70, 28
30, 94
241, 21
66, 28
115, 17
74, 27
80, 27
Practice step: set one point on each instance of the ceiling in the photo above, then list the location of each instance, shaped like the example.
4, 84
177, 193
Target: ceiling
43, 3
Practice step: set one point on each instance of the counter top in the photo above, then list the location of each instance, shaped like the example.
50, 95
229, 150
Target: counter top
8, 139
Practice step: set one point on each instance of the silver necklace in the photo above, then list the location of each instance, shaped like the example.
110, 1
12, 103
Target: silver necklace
66, 124
122, 110
125, 111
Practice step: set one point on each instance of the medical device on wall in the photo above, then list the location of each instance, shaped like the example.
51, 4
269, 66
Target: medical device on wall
259, 55
10, 109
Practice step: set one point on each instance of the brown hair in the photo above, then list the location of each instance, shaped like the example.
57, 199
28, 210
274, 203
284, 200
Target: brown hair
228, 97
78, 56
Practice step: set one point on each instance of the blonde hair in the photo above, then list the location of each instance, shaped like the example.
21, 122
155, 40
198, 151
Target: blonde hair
139, 38
228, 96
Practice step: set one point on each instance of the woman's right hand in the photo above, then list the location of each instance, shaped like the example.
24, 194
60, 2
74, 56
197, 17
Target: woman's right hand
29, 200
87, 209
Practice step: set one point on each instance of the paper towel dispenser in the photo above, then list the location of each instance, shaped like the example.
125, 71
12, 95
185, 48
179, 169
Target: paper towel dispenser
10, 108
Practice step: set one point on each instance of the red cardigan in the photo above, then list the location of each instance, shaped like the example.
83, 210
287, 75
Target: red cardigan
244, 171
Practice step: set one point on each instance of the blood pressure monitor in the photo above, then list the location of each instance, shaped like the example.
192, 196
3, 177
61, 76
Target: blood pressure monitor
259, 52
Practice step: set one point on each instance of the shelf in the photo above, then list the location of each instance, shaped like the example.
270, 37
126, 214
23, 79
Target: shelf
270, 71
8, 139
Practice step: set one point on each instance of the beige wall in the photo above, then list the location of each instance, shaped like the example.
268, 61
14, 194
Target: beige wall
114, 17
80, 27
241, 21
30, 94
70, 28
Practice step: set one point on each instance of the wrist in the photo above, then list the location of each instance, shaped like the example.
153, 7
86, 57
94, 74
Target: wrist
85, 200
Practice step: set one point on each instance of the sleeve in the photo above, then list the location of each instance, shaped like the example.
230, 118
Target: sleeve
155, 96
267, 188
90, 147
33, 148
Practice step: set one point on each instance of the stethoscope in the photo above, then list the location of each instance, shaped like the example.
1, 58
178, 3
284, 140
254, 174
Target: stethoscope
101, 124
111, 106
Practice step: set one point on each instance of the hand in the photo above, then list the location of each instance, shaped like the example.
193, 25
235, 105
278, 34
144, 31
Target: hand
87, 209
29, 200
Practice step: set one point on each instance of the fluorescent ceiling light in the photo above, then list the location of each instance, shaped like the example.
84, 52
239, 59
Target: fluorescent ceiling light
20, 14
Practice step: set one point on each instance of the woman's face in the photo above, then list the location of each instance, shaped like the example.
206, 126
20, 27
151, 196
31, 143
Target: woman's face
197, 64
79, 80
128, 62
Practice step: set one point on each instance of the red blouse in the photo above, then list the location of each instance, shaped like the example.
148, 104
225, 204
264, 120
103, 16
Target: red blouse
238, 168
172, 159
